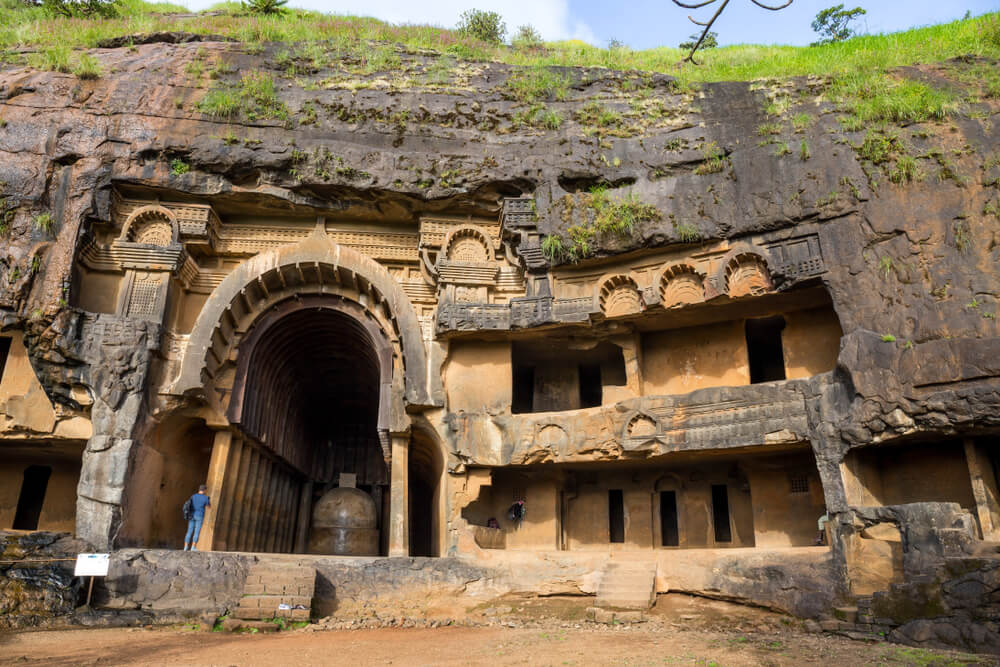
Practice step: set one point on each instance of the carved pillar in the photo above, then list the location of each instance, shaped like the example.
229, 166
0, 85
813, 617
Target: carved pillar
118, 352
399, 496
979, 491
221, 450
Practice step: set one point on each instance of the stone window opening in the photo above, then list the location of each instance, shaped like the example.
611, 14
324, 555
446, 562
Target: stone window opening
798, 483
590, 385
669, 533
764, 350
616, 516
720, 513
29, 502
550, 376
4, 353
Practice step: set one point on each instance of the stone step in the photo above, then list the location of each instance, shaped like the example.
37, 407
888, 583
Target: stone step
627, 585
623, 603
625, 591
846, 614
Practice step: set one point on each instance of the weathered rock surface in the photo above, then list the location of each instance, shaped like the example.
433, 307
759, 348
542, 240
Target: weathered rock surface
36, 578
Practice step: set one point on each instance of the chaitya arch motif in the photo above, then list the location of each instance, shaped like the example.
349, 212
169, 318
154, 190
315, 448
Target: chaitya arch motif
747, 275
619, 295
681, 284
151, 225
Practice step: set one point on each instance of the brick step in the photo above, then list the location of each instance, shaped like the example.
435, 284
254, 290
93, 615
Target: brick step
290, 576
270, 588
272, 601
250, 614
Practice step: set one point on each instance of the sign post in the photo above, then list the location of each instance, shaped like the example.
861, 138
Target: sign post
91, 565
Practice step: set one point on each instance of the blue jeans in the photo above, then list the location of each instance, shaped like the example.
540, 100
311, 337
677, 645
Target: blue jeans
194, 530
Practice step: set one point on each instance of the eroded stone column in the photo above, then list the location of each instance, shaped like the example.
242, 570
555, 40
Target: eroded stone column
979, 490
399, 497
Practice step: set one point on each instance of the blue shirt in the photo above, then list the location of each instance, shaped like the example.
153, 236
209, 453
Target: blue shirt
200, 501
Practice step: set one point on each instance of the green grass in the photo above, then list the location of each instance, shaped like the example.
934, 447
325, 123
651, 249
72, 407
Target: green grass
179, 167
538, 116
537, 84
44, 222
602, 215
87, 67
254, 97
27, 26
873, 97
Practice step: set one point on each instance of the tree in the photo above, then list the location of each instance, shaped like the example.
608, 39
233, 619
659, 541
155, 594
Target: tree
708, 24
265, 7
833, 23
487, 26
711, 41
81, 8
527, 38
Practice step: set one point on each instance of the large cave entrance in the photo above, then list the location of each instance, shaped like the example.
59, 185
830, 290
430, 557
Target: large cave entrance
308, 408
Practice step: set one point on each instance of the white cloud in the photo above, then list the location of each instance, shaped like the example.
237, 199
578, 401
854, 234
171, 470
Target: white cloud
550, 17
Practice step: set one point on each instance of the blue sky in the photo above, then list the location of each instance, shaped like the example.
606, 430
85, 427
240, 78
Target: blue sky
644, 24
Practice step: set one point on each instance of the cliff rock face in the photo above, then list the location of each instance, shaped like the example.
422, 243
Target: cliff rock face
572, 179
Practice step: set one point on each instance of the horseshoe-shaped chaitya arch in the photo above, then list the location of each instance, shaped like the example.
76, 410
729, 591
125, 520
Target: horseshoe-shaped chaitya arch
314, 266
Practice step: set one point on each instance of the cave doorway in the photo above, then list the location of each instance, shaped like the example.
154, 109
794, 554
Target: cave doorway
309, 405
31, 498
170, 465
426, 465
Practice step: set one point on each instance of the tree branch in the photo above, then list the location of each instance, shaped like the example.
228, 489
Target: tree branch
708, 24
773, 9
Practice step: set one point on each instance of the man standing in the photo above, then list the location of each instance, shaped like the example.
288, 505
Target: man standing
199, 502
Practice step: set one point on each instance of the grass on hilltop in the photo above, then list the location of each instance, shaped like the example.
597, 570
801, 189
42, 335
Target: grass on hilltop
22, 27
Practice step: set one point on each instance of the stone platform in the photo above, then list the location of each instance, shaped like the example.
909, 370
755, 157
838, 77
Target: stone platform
175, 583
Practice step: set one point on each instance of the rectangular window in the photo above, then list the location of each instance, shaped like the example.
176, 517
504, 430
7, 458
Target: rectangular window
616, 516
669, 536
523, 396
29, 503
798, 483
554, 375
4, 353
764, 353
720, 513
590, 385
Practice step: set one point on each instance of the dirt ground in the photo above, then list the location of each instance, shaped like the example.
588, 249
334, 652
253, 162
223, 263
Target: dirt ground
454, 646
681, 630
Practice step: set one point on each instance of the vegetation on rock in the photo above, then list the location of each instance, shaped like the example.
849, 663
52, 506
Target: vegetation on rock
29, 26
600, 216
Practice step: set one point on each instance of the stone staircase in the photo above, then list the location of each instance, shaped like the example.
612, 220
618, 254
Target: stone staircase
627, 585
269, 586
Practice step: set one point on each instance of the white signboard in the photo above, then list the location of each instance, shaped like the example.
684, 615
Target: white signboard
92, 565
